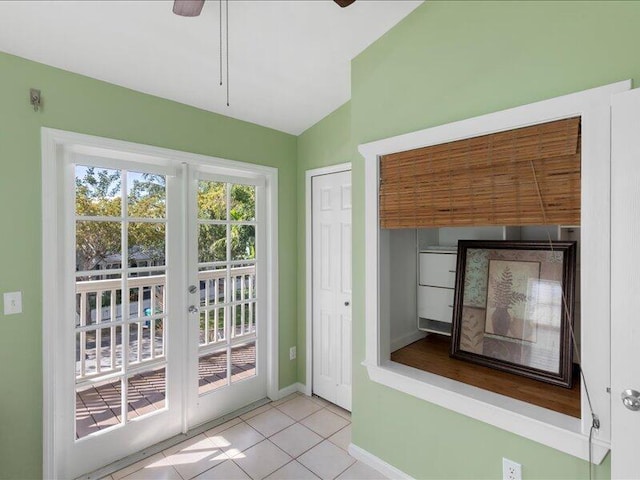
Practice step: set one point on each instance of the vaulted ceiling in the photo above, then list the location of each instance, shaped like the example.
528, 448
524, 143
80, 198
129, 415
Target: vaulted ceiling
289, 61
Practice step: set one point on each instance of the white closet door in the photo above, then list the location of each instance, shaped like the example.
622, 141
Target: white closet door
331, 253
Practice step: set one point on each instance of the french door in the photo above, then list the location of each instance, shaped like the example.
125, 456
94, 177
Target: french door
225, 274
160, 322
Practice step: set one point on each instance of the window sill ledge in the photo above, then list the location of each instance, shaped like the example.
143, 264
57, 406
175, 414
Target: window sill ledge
541, 425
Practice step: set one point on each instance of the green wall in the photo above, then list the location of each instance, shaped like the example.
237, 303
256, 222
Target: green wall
328, 142
76, 103
446, 61
449, 61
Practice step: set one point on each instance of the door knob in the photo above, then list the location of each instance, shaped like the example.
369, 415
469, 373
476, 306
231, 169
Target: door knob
193, 309
347, 303
631, 400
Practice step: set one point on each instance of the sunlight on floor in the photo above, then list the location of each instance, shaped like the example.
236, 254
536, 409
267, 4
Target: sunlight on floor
295, 438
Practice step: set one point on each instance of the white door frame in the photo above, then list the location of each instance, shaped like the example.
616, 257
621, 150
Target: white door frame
309, 174
56, 144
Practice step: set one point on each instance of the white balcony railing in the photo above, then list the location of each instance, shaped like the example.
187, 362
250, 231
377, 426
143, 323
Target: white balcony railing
100, 323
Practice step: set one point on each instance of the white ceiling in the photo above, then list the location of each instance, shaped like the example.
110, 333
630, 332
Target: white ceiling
289, 60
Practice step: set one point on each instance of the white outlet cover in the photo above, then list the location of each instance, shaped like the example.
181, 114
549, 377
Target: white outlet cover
292, 353
12, 303
511, 470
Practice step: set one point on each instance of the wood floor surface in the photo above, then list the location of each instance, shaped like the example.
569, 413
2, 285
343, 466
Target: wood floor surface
431, 354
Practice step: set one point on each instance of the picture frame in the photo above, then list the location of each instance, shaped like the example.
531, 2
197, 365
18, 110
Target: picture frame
514, 306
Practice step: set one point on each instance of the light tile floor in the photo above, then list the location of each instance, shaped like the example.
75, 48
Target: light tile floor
295, 438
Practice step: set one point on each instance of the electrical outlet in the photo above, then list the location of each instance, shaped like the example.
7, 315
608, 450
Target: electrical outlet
12, 303
511, 470
292, 353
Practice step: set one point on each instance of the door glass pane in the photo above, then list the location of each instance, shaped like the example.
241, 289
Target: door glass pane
98, 245
97, 300
212, 200
243, 279
98, 191
136, 302
146, 244
242, 314
212, 327
212, 371
146, 392
98, 351
243, 242
212, 243
158, 339
249, 283
98, 406
243, 203
147, 295
146, 195
102, 352
243, 361
158, 297
212, 282
143, 341
111, 304
248, 318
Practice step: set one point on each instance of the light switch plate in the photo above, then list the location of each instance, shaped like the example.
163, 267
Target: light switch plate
12, 303
292, 353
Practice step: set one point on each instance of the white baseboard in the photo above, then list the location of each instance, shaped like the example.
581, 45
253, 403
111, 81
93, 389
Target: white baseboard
293, 388
378, 464
407, 339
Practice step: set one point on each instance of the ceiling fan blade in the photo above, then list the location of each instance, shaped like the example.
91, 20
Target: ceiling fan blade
344, 3
188, 8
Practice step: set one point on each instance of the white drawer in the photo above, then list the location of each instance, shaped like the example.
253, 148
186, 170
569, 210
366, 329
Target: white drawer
438, 269
435, 303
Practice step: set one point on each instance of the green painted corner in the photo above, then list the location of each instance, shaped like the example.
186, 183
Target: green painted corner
328, 142
76, 103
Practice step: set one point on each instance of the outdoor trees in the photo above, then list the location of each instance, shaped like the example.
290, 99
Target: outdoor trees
99, 194
212, 205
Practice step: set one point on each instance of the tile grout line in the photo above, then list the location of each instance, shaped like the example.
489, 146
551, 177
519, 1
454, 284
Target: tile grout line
321, 406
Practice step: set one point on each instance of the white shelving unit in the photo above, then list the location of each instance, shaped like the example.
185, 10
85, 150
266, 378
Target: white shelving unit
436, 283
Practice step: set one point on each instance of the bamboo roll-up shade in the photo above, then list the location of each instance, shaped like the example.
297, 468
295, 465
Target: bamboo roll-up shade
487, 180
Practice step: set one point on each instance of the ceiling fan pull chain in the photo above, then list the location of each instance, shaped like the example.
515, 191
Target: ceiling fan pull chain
220, 2
227, 5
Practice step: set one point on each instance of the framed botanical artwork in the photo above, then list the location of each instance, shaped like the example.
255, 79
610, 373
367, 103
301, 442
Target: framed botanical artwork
513, 307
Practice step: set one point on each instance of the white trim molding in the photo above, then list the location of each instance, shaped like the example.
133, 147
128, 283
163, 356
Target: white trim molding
377, 463
562, 432
286, 391
309, 174
58, 148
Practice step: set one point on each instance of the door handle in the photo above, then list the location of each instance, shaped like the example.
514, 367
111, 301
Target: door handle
193, 309
347, 303
631, 400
